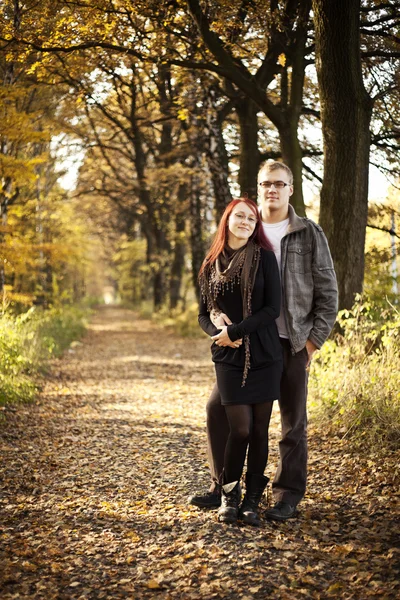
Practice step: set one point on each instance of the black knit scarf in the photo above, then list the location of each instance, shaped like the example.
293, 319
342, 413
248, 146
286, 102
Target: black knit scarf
229, 268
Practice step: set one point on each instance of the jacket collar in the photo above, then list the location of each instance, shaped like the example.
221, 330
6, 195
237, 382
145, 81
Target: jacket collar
295, 222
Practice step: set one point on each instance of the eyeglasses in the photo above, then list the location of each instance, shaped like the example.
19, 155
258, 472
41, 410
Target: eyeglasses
279, 185
242, 217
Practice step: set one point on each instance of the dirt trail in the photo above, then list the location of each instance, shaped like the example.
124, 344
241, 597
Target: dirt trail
96, 475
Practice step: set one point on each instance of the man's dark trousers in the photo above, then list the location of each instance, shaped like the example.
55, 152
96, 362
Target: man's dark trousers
289, 484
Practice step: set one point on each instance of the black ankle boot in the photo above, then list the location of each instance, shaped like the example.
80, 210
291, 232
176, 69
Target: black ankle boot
255, 486
230, 500
207, 499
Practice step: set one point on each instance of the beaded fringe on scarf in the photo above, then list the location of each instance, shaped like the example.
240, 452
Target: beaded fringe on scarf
214, 281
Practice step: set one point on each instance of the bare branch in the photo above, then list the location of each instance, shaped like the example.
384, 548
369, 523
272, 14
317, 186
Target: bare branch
385, 136
74, 48
384, 92
385, 229
383, 34
311, 111
312, 172
380, 54
385, 170
384, 6
382, 19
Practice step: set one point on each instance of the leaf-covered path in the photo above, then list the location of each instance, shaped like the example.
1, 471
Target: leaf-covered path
96, 475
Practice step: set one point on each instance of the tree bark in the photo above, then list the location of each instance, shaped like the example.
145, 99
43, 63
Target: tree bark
292, 104
178, 262
292, 156
196, 233
247, 110
216, 154
346, 112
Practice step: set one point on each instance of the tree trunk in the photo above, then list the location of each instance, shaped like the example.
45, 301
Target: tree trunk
292, 156
249, 154
196, 233
7, 183
159, 288
292, 84
162, 203
153, 235
217, 156
178, 262
346, 112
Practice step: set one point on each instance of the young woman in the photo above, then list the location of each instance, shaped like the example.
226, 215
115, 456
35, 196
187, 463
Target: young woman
239, 277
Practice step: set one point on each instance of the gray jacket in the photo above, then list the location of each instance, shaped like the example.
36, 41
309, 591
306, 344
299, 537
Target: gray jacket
309, 283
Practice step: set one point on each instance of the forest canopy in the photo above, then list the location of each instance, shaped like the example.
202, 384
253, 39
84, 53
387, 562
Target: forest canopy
169, 108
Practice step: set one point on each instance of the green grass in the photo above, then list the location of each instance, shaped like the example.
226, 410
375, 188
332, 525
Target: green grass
28, 341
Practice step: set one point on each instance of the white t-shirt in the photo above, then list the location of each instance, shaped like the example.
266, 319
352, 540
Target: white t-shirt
275, 233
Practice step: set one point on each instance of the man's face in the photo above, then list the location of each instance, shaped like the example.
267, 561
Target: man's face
274, 197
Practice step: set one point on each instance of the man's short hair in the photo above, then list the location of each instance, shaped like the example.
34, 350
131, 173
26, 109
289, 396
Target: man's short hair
274, 165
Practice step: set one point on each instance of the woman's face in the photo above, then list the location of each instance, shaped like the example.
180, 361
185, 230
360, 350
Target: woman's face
241, 225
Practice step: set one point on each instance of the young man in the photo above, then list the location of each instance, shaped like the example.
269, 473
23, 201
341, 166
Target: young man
308, 312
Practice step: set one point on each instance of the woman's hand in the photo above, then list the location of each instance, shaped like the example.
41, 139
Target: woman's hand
223, 339
220, 320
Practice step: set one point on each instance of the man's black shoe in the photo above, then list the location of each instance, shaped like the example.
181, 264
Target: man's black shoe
281, 511
208, 500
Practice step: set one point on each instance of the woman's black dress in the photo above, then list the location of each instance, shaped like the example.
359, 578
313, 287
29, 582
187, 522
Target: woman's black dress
263, 379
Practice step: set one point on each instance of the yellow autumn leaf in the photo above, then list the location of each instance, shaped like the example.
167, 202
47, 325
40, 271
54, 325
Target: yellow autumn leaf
55, 567
334, 587
282, 59
183, 114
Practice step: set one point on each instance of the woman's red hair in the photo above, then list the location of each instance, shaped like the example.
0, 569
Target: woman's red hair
221, 236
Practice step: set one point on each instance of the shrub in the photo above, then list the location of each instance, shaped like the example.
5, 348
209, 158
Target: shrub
184, 323
27, 341
355, 379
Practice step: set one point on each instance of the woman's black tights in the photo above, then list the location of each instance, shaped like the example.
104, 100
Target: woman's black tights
248, 428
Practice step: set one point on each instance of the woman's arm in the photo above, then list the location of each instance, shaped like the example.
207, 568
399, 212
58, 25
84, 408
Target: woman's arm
272, 300
210, 329
204, 319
